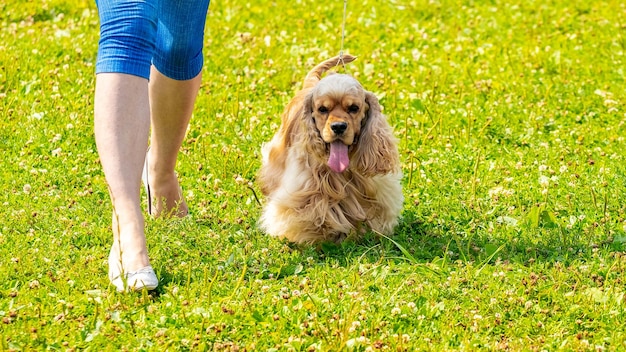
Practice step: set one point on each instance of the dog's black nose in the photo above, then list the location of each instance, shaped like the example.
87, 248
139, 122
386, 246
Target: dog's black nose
338, 127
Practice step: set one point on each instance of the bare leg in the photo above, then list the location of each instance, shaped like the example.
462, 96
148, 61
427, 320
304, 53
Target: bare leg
171, 106
122, 116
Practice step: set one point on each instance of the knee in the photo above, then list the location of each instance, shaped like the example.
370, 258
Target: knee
179, 41
178, 52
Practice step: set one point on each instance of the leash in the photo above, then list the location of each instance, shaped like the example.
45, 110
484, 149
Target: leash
343, 33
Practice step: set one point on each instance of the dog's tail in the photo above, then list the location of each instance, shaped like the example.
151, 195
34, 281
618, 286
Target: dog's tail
315, 74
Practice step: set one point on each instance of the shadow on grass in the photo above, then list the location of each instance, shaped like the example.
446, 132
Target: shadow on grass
412, 242
249, 254
422, 242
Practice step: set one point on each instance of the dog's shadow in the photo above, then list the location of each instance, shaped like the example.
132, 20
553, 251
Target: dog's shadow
423, 241
410, 243
416, 241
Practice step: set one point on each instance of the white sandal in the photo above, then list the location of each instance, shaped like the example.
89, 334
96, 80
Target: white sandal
138, 280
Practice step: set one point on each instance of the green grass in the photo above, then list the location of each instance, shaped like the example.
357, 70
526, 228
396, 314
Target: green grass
510, 117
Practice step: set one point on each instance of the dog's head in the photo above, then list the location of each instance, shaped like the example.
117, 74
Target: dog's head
349, 122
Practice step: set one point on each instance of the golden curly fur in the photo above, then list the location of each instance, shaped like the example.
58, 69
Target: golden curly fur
333, 168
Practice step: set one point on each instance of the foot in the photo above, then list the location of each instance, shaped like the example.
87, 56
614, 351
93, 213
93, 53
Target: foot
129, 266
137, 280
164, 192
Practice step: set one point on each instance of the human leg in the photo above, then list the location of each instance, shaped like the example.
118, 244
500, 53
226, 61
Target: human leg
171, 105
121, 143
174, 83
121, 124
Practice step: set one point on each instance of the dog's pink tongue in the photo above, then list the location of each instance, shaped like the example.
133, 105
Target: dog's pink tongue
338, 160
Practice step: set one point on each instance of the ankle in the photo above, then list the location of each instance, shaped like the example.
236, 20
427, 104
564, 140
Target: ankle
129, 243
166, 193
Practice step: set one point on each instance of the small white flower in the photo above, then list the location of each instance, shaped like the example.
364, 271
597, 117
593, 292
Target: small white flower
498, 191
610, 102
602, 93
354, 326
27, 188
37, 115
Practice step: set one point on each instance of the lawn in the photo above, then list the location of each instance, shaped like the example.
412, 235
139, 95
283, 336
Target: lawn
510, 117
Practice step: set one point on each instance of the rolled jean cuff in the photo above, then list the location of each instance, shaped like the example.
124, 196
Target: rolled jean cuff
179, 72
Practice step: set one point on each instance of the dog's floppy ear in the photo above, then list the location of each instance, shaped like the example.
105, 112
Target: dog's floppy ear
307, 109
376, 152
313, 142
293, 117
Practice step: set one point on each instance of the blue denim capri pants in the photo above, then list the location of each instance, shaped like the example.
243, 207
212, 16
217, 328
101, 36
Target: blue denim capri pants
136, 34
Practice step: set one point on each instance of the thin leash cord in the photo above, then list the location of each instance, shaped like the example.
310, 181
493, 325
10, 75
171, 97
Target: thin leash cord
343, 33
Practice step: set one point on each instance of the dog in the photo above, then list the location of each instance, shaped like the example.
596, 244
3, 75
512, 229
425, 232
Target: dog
332, 170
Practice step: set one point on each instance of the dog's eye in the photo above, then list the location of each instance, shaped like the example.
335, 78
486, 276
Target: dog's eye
322, 110
353, 108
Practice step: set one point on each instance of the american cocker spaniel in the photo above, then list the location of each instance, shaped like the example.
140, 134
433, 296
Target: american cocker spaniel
332, 170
